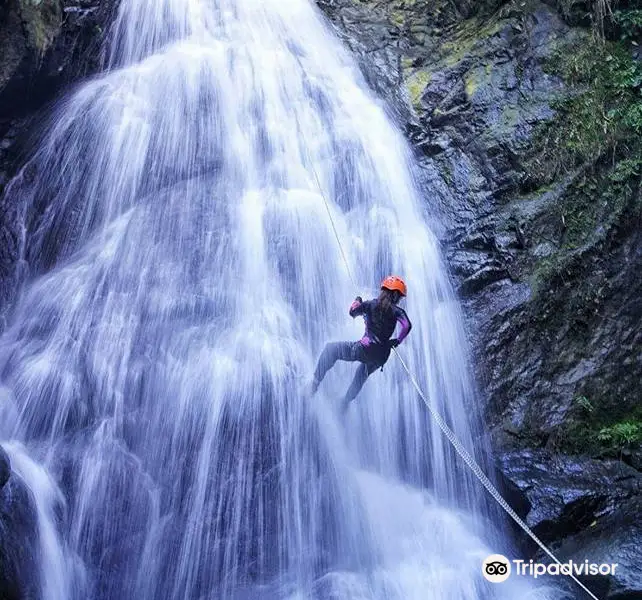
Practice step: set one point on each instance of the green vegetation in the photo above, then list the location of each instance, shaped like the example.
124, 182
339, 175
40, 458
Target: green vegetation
621, 435
590, 431
469, 35
597, 11
584, 403
598, 199
629, 23
590, 153
595, 143
602, 115
398, 18
587, 159
611, 19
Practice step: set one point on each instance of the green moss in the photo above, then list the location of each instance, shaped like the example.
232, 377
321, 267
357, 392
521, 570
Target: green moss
598, 200
42, 20
603, 109
469, 35
416, 84
595, 204
596, 136
554, 305
472, 83
406, 63
397, 18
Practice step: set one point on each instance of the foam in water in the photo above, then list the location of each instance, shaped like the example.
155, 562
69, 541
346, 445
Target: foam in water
180, 277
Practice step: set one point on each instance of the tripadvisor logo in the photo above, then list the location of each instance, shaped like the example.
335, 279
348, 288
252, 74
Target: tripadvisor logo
497, 568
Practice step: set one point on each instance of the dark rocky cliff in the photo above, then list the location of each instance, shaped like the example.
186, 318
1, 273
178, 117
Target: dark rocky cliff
18, 536
45, 47
526, 125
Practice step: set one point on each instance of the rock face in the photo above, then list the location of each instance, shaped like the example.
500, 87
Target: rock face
5, 468
566, 495
18, 537
614, 539
540, 225
594, 505
45, 45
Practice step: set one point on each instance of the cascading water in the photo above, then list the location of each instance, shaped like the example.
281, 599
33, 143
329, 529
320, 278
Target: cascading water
181, 275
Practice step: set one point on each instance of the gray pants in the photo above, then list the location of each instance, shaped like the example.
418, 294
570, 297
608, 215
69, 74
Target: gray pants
370, 359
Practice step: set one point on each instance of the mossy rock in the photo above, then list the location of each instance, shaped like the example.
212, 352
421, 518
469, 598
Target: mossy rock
415, 86
471, 38
13, 46
42, 21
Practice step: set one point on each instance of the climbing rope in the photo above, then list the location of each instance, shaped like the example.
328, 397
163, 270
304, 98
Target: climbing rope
476, 469
448, 432
334, 227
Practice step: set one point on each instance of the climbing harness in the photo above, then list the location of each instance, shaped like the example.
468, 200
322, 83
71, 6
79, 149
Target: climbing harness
448, 432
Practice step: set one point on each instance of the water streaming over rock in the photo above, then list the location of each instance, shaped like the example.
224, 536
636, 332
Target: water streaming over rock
180, 275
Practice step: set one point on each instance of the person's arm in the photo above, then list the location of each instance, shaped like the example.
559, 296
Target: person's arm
406, 326
357, 307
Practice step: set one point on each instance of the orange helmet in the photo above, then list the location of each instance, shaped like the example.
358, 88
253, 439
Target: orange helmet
394, 283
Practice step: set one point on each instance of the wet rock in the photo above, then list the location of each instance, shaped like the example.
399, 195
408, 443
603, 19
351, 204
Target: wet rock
633, 458
614, 539
468, 99
46, 46
5, 468
481, 278
564, 343
27, 28
568, 495
18, 542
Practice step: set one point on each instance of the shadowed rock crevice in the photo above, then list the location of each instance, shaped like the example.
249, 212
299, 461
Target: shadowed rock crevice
18, 536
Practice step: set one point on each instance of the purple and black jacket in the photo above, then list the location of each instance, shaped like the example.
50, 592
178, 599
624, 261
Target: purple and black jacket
379, 328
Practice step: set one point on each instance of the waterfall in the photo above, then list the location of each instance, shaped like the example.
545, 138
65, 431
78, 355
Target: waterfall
179, 276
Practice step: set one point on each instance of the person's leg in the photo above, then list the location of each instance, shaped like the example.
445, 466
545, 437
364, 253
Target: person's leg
331, 354
363, 372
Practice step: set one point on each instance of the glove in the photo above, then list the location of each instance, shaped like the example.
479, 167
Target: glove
393, 343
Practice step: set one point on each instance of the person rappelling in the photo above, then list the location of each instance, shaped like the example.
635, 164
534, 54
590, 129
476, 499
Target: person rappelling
381, 316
